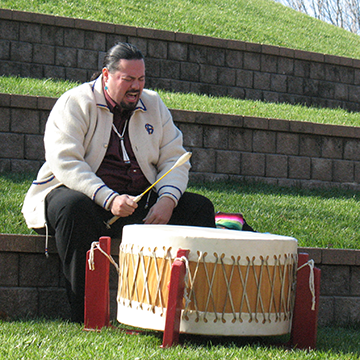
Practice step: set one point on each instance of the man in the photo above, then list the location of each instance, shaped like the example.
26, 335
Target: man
105, 142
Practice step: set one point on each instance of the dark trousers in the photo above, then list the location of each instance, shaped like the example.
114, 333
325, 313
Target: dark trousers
76, 221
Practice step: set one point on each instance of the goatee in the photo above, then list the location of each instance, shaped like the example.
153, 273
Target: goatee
128, 107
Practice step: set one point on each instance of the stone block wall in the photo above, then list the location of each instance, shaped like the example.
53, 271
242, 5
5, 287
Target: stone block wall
276, 151
339, 286
32, 285
224, 147
43, 46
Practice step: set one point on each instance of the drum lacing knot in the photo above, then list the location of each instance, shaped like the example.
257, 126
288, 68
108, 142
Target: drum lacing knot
185, 260
311, 264
96, 245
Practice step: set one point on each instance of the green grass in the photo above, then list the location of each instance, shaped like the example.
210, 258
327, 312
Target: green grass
35, 87
226, 105
258, 21
193, 102
13, 188
61, 340
316, 218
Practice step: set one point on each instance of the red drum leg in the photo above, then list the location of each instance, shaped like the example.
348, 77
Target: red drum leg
97, 297
175, 299
304, 323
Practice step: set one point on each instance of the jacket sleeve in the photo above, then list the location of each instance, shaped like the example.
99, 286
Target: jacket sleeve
170, 150
69, 140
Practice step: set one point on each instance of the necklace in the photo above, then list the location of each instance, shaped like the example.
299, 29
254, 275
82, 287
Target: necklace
121, 137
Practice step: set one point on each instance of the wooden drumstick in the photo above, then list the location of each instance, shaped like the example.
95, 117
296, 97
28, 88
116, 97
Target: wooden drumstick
182, 160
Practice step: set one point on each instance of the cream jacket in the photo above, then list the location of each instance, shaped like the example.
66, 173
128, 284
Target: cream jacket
76, 138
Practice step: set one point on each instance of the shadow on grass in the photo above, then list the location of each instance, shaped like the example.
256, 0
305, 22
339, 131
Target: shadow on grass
268, 189
341, 341
334, 341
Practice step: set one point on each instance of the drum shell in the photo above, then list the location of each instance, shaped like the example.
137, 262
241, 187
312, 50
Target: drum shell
240, 283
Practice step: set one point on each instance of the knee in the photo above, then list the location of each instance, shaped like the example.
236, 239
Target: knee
206, 204
77, 204
202, 210
76, 208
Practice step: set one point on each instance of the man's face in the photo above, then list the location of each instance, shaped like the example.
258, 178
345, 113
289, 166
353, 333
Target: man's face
126, 84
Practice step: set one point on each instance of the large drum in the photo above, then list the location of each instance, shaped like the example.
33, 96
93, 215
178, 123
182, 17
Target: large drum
238, 283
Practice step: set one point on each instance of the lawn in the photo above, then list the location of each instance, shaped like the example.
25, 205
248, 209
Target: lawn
258, 21
39, 339
194, 102
316, 218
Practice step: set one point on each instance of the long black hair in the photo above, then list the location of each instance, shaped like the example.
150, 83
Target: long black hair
119, 51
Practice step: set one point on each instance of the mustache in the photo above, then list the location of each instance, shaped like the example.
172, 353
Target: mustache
135, 91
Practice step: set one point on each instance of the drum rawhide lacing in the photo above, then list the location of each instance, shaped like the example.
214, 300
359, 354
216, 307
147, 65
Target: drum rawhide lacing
136, 269
250, 285
283, 308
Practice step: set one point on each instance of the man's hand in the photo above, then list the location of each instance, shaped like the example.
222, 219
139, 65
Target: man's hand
123, 205
161, 212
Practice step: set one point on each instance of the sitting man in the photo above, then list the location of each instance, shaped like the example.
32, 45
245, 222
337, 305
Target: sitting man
106, 141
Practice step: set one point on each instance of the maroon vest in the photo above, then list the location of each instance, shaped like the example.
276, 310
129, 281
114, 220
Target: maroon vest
124, 178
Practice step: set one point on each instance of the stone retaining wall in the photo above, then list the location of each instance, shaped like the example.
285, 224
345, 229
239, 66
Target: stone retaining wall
44, 46
32, 285
224, 147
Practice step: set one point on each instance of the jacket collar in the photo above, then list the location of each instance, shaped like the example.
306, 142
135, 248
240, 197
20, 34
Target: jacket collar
98, 91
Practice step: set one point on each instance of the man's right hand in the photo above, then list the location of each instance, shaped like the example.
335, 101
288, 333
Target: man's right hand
123, 205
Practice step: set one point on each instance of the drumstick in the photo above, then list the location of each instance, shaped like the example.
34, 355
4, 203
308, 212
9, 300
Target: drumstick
182, 160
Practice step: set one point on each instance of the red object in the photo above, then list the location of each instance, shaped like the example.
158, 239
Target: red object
304, 323
175, 299
97, 293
